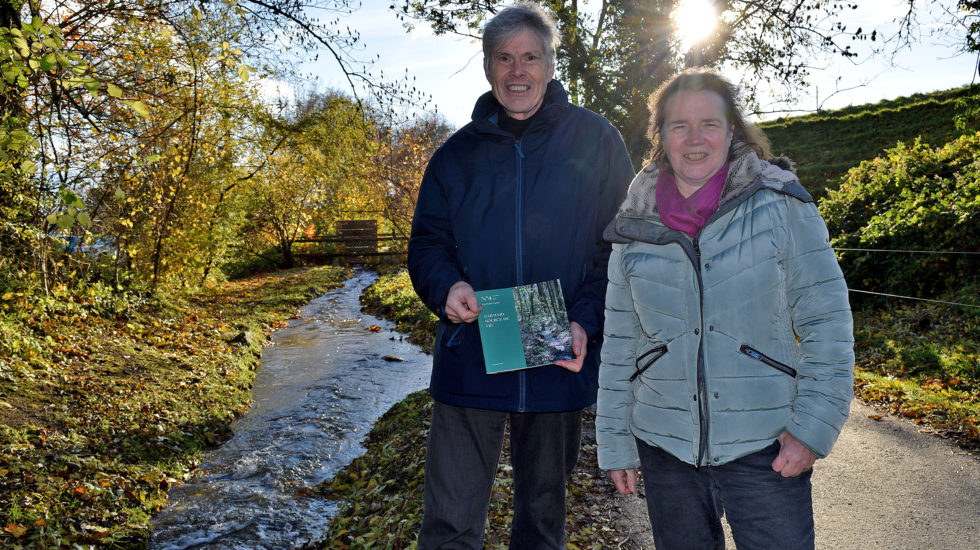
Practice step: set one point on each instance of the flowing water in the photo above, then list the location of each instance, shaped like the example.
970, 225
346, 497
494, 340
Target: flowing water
322, 384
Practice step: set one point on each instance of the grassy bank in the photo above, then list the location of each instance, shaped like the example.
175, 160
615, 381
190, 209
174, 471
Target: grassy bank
103, 409
922, 362
918, 361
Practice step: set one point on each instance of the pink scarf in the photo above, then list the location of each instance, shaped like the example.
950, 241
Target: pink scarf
689, 214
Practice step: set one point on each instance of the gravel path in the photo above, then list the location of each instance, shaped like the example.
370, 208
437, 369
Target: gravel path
886, 485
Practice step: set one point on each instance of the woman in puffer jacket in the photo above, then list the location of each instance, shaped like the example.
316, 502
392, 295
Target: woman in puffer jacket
727, 367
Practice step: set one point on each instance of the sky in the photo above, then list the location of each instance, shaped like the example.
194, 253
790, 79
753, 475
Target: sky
450, 68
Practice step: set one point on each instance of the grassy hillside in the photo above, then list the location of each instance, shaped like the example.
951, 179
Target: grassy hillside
825, 145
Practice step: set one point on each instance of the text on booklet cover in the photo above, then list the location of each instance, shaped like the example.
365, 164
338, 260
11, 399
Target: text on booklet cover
524, 326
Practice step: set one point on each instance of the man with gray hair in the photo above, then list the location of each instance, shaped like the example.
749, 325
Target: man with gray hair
519, 195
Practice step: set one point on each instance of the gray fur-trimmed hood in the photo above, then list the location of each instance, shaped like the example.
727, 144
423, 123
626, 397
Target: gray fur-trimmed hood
746, 175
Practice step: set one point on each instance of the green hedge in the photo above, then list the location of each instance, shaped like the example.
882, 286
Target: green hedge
912, 198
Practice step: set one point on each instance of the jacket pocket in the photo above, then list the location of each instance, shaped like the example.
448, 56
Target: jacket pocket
454, 337
648, 358
759, 356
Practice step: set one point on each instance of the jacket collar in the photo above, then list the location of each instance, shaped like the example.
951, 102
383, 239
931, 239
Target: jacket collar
486, 108
638, 218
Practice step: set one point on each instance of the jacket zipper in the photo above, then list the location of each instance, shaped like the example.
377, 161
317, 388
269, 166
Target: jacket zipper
519, 210
759, 356
702, 384
657, 352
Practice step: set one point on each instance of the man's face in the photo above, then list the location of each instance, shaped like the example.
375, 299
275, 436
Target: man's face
519, 73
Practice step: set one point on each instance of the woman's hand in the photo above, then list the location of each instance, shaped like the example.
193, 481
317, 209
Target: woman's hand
625, 481
793, 458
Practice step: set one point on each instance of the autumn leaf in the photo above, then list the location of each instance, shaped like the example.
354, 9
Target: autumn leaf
96, 530
139, 107
16, 530
374, 328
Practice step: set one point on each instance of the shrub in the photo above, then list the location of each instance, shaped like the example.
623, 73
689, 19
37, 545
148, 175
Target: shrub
913, 198
251, 264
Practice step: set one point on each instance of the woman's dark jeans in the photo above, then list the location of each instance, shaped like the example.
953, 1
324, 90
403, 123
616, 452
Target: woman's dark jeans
765, 510
460, 464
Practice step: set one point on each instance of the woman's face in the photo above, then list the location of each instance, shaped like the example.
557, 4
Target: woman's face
696, 137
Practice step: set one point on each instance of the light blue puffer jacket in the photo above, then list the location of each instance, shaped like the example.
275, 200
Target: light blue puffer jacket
715, 345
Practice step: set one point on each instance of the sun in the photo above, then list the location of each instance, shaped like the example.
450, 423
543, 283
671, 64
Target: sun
694, 21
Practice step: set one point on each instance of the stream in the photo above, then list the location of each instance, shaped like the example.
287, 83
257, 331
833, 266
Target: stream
323, 382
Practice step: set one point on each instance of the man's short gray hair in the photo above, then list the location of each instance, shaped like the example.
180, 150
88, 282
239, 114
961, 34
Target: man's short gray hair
512, 20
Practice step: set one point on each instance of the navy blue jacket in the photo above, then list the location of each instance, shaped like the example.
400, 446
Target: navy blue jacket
496, 212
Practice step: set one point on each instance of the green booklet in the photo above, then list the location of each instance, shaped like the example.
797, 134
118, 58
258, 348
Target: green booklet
524, 326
